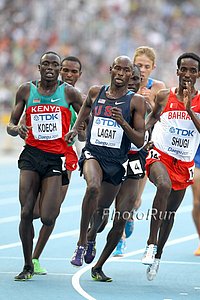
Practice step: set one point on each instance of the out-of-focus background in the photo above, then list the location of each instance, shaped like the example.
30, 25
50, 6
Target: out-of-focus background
96, 31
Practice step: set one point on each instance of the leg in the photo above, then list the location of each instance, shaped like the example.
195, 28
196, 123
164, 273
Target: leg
124, 205
128, 192
44, 235
160, 178
93, 175
28, 190
50, 202
142, 183
196, 203
46, 231
173, 204
100, 217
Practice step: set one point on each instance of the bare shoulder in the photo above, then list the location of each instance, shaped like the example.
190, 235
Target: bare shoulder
162, 95
94, 90
71, 90
24, 86
138, 98
158, 85
138, 101
24, 90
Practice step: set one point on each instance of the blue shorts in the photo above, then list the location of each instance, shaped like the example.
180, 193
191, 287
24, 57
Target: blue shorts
113, 170
197, 158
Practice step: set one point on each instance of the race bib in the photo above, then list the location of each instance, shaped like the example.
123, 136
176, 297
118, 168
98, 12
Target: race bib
47, 126
106, 132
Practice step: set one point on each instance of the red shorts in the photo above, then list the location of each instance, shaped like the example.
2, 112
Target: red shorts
71, 159
180, 172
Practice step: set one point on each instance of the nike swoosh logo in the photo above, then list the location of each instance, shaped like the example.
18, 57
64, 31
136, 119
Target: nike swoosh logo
193, 106
118, 103
56, 171
54, 100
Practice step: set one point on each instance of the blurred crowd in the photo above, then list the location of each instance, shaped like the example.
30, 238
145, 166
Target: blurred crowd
95, 31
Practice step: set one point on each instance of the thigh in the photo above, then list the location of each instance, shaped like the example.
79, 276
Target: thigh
196, 185
127, 195
51, 194
29, 186
158, 174
108, 193
92, 172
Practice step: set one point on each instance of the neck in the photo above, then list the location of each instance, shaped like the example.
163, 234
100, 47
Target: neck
47, 87
114, 92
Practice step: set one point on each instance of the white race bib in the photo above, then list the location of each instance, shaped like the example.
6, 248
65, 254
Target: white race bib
47, 126
106, 132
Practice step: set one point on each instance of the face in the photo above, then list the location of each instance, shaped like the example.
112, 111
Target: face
49, 67
121, 71
70, 71
188, 72
146, 66
134, 81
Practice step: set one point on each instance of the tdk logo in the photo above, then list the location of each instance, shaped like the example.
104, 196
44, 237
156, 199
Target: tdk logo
46, 117
107, 122
182, 132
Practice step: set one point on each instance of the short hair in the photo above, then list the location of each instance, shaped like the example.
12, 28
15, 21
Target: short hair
49, 52
72, 58
188, 55
148, 51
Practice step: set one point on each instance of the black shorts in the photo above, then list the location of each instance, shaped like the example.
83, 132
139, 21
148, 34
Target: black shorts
135, 168
113, 170
44, 163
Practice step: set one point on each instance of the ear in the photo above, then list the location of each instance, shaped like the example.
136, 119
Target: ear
80, 73
154, 66
39, 67
177, 72
110, 69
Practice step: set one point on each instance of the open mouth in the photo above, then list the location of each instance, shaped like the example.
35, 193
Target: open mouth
49, 74
118, 80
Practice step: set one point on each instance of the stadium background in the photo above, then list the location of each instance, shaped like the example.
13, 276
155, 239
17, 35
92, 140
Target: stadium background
96, 31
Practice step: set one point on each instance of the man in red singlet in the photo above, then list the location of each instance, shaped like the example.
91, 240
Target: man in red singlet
48, 117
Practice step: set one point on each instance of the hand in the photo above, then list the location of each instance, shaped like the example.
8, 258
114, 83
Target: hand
82, 132
23, 131
149, 146
117, 115
144, 92
70, 136
82, 127
187, 96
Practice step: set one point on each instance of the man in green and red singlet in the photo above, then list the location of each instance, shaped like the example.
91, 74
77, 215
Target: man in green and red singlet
48, 117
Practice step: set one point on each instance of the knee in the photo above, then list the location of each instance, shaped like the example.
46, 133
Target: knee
26, 214
36, 215
137, 203
164, 187
48, 221
196, 205
118, 226
93, 189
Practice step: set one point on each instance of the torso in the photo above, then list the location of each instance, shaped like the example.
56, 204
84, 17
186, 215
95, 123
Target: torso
49, 116
175, 134
105, 136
